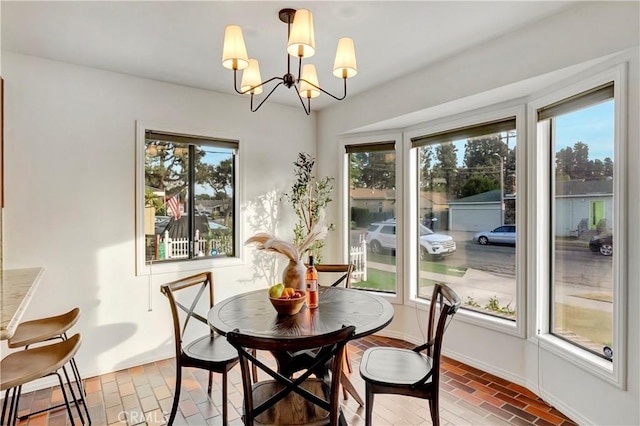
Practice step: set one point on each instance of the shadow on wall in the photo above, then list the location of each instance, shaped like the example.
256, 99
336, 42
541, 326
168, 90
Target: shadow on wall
263, 215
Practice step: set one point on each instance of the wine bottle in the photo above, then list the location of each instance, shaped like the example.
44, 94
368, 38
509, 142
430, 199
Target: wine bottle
312, 284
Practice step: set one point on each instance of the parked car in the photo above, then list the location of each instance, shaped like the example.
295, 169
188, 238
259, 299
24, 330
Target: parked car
505, 234
602, 244
382, 236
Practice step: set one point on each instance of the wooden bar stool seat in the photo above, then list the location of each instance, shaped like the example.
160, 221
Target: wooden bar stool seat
19, 368
42, 330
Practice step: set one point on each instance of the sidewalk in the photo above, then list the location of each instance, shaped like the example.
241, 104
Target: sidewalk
480, 286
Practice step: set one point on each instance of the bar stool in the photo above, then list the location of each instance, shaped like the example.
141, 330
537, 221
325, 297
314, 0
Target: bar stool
42, 330
19, 368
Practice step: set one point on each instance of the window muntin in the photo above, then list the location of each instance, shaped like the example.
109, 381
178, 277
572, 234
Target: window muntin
583, 244
189, 197
373, 211
466, 180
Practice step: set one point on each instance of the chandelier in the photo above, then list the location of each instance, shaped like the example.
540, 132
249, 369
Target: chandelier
301, 44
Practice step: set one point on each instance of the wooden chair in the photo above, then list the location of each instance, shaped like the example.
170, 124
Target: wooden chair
210, 352
340, 274
21, 367
410, 371
300, 400
341, 271
43, 330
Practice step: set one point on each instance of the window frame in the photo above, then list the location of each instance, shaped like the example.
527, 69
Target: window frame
514, 108
539, 204
149, 268
368, 139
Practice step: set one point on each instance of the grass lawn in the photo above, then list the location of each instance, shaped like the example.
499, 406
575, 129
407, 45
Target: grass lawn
378, 280
386, 282
591, 324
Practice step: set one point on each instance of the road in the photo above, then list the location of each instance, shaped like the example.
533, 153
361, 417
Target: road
575, 264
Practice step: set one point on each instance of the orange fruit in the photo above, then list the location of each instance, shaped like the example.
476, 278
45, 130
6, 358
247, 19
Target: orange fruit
288, 292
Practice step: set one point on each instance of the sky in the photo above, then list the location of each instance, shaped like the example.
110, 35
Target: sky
592, 125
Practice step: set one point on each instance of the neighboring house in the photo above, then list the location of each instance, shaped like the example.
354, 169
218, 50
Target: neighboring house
478, 212
583, 205
374, 200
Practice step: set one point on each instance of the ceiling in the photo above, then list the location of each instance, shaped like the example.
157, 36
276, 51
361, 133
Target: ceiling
181, 42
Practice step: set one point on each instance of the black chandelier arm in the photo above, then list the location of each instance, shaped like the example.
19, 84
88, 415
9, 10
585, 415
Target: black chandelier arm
240, 92
327, 93
307, 110
269, 94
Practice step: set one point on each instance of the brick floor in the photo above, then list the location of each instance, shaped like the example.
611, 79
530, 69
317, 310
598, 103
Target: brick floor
140, 395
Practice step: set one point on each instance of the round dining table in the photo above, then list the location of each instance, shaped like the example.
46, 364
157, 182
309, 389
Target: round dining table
253, 313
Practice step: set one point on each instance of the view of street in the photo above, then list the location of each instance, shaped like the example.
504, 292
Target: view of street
583, 278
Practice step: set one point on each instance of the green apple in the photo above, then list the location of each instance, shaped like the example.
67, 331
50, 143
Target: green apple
275, 291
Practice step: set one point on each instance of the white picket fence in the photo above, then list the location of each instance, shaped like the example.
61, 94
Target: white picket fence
358, 257
178, 248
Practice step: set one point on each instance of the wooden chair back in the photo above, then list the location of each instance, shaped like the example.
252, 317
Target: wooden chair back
341, 271
263, 404
202, 282
444, 304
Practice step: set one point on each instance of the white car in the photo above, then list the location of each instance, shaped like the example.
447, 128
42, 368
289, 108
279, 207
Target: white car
382, 236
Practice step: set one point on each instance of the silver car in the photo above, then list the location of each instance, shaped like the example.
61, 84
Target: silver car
505, 234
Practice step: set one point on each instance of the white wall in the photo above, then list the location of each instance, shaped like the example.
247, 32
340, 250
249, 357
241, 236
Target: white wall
69, 145
594, 30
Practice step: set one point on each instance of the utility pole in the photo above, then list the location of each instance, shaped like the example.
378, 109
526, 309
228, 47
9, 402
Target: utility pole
501, 187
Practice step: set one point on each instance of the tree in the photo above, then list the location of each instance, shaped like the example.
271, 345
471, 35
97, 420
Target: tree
478, 152
375, 169
477, 184
565, 163
426, 174
581, 161
445, 169
608, 167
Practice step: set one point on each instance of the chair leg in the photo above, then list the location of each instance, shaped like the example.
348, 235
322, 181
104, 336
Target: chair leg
254, 368
10, 417
73, 394
348, 360
435, 413
225, 409
66, 400
210, 382
15, 403
368, 418
176, 397
4, 407
81, 391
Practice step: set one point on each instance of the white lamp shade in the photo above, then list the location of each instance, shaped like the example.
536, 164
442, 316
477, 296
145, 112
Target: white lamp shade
234, 52
345, 65
302, 41
309, 74
251, 78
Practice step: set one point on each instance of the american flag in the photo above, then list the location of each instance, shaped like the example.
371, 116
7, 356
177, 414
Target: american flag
174, 205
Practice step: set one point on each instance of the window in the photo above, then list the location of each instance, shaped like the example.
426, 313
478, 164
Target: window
466, 213
580, 131
190, 206
373, 212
